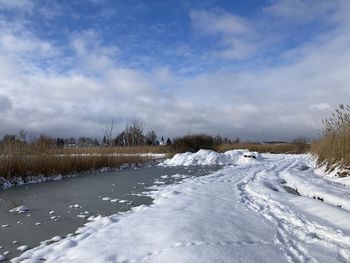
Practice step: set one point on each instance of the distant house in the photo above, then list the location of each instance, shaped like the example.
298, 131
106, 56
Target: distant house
162, 142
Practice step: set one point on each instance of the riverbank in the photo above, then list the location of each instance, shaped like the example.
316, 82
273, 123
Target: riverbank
29, 161
141, 160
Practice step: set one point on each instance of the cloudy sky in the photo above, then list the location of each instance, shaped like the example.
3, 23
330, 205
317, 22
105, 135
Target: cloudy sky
260, 70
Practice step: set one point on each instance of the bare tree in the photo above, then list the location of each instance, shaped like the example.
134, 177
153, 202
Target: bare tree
23, 135
108, 132
132, 135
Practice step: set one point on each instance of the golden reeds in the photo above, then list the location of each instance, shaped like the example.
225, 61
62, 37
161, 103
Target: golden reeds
333, 149
31, 160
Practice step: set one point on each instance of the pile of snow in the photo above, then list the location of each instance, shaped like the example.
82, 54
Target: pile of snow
249, 157
19, 209
23, 248
333, 175
309, 184
208, 157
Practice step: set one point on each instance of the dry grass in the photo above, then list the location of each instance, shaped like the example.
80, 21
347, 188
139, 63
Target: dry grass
333, 149
31, 160
265, 148
113, 150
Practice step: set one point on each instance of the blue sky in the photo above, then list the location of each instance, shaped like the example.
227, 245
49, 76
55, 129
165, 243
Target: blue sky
260, 70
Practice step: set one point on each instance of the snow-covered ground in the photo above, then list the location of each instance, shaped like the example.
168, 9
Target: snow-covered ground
269, 208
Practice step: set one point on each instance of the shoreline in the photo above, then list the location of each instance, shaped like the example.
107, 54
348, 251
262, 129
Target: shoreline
18, 181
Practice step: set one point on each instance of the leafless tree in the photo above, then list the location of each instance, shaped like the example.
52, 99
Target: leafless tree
108, 132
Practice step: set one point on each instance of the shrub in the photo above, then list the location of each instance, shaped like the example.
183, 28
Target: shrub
192, 143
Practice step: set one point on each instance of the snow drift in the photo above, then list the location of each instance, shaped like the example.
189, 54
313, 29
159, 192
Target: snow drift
208, 157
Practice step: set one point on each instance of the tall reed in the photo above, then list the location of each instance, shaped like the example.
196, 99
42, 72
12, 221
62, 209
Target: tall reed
333, 149
23, 160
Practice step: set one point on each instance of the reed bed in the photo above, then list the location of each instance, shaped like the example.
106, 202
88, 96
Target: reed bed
113, 150
333, 149
33, 160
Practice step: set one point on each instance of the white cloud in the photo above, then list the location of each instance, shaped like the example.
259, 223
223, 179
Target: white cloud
322, 106
213, 22
302, 11
91, 53
235, 33
18, 5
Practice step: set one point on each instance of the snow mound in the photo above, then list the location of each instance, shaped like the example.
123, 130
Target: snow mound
209, 157
19, 209
23, 248
249, 157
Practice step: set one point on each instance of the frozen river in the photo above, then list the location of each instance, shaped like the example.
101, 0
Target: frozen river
58, 208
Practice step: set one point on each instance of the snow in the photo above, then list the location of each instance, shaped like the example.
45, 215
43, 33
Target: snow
56, 239
19, 209
333, 175
2, 258
246, 212
208, 157
23, 248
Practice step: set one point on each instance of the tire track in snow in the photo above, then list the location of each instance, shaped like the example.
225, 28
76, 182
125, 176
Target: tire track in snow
276, 212
179, 245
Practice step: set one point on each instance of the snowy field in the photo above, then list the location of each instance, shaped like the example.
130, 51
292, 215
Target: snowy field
258, 208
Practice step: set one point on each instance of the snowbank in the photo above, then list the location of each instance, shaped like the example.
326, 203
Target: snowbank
311, 185
208, 157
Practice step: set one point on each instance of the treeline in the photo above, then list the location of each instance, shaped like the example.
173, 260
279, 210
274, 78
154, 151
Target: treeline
132, 135
193, 143
13, 140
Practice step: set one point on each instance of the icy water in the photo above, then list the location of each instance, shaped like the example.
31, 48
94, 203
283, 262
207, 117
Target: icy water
58, 208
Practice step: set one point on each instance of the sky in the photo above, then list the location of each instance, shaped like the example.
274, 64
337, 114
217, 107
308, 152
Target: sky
256, 69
